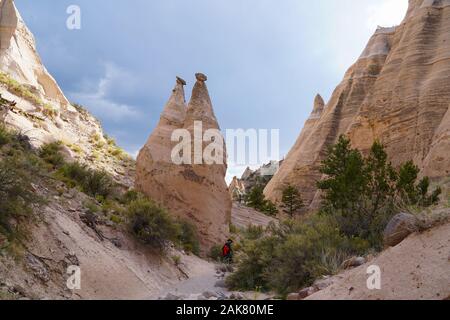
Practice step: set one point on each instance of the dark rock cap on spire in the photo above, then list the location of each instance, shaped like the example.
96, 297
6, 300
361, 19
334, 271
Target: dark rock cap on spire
201, 77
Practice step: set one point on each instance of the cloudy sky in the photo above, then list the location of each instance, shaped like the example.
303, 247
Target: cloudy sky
265, 59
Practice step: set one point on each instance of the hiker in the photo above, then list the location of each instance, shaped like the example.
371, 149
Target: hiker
227, 252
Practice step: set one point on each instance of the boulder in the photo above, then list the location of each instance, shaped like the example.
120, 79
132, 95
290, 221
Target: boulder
353, 263
399, 228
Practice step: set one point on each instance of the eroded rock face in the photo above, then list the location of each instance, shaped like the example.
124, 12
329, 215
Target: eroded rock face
397, 92
19, 58
81, 134
196, 192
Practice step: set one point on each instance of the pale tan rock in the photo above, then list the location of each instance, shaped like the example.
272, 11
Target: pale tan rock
236, 189
19, 58
77, 129
196, 192
397, 92
416, 269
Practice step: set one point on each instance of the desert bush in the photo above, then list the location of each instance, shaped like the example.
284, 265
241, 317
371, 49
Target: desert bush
188, 237
253, 232
97, 184
151, 224
215, 253
5, 136
17, 197
292, 255
129, 196
51, 153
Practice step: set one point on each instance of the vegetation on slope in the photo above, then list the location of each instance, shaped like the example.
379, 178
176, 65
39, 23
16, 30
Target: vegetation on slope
360, 196
23, 169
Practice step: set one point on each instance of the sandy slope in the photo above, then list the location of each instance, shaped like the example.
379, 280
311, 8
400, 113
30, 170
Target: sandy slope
418, 268
242, 217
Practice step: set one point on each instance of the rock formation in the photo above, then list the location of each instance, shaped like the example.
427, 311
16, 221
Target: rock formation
19, 58
397, 92
44, 113
196, 192
237, 189
252, 178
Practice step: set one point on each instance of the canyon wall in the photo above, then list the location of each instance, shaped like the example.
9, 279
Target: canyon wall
398, 92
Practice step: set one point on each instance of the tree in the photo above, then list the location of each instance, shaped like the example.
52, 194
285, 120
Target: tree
255, 199
363, 193
291, 201
346, 179
270, 208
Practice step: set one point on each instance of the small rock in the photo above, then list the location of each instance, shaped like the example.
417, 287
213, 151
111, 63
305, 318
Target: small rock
220, 284
399, 228
305, 293
323, 284
353, 262
209, 294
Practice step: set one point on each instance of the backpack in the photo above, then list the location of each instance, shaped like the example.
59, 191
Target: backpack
226, 250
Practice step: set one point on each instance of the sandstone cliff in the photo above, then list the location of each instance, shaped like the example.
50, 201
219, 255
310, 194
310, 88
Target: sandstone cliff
397, 92
196, 192
32, 103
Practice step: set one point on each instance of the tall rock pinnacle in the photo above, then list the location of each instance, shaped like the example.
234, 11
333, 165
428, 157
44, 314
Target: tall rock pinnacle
319, 106
194, 191
396, 92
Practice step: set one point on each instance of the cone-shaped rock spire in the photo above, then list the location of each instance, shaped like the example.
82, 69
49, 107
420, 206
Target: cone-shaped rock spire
319, 106
194, 191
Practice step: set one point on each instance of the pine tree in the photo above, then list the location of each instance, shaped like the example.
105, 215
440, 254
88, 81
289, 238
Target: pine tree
291, 201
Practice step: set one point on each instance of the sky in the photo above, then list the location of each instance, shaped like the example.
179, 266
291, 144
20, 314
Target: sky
265, 59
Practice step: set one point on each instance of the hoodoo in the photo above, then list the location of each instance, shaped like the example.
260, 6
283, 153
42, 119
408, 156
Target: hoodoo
397, 92
193, 191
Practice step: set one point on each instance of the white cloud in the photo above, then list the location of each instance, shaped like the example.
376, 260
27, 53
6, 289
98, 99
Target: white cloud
96, 98
386, 14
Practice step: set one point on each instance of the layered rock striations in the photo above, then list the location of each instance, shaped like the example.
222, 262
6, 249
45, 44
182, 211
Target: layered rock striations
19, 58
193, 191
397, 92
31, 102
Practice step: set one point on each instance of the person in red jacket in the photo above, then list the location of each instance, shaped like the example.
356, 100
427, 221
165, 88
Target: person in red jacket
227, 252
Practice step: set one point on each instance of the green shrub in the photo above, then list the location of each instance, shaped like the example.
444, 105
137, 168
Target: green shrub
233, 229
75, 173
51, 153
151, 224
292, 255
188, 237
253, 232
130, 195
97, 184
215, 253
17, 197
5, 136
